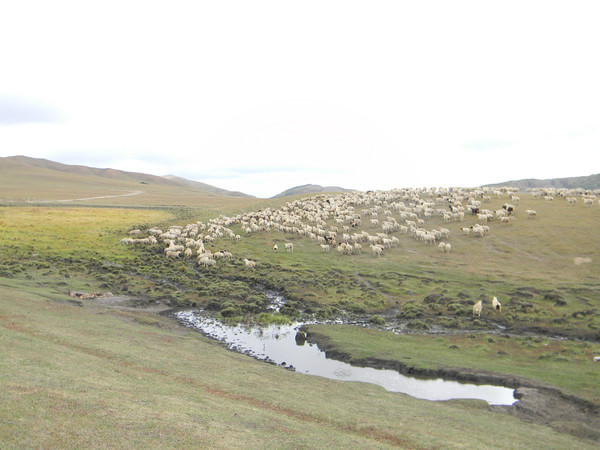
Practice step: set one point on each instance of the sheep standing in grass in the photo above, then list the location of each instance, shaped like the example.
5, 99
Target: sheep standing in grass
249, 263
496, 304
445, 247
477, 307
275, 248
531, 213
289, 247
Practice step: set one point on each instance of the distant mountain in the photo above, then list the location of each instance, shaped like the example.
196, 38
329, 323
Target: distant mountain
311, 189
205, 187
27, 168
590, 182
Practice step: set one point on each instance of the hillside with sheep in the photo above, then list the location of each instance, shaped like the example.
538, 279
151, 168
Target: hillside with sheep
483, 285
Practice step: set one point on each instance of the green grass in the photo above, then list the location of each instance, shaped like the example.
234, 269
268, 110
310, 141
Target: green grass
81, 376
565, 364
91, 377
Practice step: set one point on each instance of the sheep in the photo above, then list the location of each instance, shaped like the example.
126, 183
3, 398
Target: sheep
204, 261
275, 248
496, 304
530, 213
173, 254
249, 263
377, 250
444, 247
188, 252
289, 247
134, 232
477, 307
505, 220
325, 248
478, 230
465, 230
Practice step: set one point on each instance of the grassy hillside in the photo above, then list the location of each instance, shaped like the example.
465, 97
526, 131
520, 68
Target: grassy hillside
590, 182
39, 181
82, 374
310, 189
91, 377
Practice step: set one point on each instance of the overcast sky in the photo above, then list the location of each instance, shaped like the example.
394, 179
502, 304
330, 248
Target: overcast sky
260, 96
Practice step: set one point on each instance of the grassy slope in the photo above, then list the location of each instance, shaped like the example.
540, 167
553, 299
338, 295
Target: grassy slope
43, 247
86, 377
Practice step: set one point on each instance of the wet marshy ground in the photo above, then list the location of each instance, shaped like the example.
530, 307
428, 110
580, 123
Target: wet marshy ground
282, 345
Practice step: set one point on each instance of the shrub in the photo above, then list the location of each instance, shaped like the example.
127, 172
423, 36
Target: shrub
376, 319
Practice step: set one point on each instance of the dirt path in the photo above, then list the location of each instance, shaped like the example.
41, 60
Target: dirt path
129, 194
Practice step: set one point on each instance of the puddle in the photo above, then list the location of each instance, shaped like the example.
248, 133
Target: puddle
277, 345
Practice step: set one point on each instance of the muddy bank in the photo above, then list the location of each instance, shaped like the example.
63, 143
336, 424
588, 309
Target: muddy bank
538, 403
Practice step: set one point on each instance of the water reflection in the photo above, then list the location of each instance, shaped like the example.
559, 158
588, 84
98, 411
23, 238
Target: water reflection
278, 344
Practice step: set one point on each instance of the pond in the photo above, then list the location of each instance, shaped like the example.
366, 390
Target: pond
277, 344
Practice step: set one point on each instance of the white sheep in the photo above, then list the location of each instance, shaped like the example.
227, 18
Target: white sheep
477, 307
249, 263
531, 213
275, 248
173, 254
496, 304
325, 248
444, 247
289, 247
377, 250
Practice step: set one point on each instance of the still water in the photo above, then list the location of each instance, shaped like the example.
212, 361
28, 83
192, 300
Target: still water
277, 344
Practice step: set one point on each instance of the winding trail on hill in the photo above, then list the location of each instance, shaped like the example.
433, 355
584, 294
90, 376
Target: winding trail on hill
129, 194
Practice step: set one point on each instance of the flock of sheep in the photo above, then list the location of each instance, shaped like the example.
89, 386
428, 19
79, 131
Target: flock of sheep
341, 221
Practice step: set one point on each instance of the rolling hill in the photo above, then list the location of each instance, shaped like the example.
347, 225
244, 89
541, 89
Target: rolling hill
25, 179
590, 182
310, 189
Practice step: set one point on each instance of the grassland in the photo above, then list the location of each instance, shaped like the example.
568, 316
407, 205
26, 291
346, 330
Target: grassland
82, 375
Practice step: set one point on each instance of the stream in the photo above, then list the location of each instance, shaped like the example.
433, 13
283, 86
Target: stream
277, 344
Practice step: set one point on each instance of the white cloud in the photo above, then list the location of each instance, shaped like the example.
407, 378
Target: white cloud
261, 95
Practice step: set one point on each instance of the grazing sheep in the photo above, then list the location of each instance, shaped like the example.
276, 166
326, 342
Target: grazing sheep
249, 263
275, 248
173, 254
465, 230
477, 307
325, 248
444, 247
289, 247
478, 230
204, 261
188, 252
531, 213
377, 250
496, 304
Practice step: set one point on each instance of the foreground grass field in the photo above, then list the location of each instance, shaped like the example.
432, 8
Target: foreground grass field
84, 375
91, 377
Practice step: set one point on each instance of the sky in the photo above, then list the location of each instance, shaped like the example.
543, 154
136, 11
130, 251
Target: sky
261, 96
